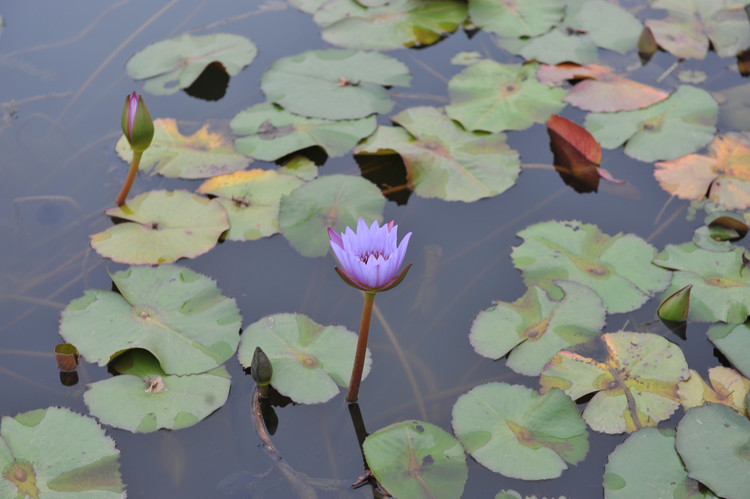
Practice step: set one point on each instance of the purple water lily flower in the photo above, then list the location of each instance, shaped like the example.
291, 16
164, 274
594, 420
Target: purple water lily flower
370, 257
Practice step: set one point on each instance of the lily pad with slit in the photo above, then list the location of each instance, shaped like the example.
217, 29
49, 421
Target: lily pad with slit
178, 315
515, 431
635, 386
162, 227
310, 361
517, 18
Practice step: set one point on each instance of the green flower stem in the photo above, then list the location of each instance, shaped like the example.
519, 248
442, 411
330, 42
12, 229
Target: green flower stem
359, 357
130, 179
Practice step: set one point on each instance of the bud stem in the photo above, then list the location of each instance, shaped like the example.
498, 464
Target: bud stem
130, 178
359, 357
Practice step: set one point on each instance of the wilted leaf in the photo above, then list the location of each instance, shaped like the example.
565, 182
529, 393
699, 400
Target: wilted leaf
576, 154
728, 387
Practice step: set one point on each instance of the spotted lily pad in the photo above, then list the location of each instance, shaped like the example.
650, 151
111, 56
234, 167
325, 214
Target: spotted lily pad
347, 84
55, 452
174, 64
678, 125
516, 18
733, 340
336, 201
176, 314
310, 361
536, 328
617, 267
493, 97
636, 386
268, 132
252, 200
721, 285
415, 459
444, 161
514, 431
143, 398
727, 387
162, 227
201, 155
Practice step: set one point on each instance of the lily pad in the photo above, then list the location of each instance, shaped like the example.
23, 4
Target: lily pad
727, 387
301, 167
733, 340
536, 328
493, 97
201, 155
516, 18
269, 132
617, 267
647, 465
714, 444
176, 314
55, 452
636, 386
444, 161
335, 201
143, 398
310, 361
174, 64
162, 227
347, 84
252, 200
514, 431
678, 125
415, 459
721, 286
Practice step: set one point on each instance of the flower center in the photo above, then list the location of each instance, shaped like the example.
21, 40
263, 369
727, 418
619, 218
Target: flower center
376, 254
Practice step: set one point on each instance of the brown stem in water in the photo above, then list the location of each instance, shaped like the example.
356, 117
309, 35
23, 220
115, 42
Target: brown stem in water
359, 357
130, 179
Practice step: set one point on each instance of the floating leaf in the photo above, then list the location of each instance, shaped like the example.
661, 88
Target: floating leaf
636, 386
174, 313
251, 200
733, 340
693, 77
493, 97
679, 125
516, 18
444, 161
415, 459
514, 431
336, 201
721, 175
576, 154
174, 64
714, 444
143, 398
310, 361
466, 58
675, 307
617, 267
721, 288
512, 494
690, 24
536, 328
734, 111
554, 47
201, 155
162, 227
269, 132
55, 452
646, 464
728, 387
301, 167
347, 84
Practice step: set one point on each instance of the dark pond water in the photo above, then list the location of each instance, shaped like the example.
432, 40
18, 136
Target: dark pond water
63, 82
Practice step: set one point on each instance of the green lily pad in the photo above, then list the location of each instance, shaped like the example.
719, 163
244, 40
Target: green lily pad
201, 155
58, 453
174, 64
553, 48
721, 286
162, 227
310, 361
714, 443
415, 459
536, 328
400, 23
251, 199
301, 167
176, 314
493, 97
269, 132
444, 161
515, 431
733, 340
143, 398
516, 18
636, 386
617, 267
336, 201
681, 124
347, 84
647, 465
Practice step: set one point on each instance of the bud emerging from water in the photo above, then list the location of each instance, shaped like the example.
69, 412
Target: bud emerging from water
136, 123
